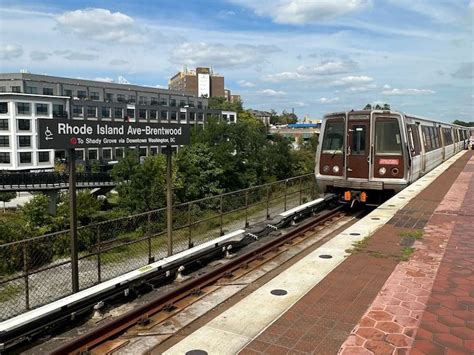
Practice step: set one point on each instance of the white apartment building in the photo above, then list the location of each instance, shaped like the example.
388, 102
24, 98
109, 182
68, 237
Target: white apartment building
18, 142
25, 97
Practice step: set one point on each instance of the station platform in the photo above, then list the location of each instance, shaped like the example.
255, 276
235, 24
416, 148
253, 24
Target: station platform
399, 281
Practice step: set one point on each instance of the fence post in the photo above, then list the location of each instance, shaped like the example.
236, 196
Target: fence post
190, 229
99, 278
268, 202
301, 190
148, 232
246, 208
25, 272
286, 187
221, 216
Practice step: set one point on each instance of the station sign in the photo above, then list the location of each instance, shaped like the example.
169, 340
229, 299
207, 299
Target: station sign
68, 134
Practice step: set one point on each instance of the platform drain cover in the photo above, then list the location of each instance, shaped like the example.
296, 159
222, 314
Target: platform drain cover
325, 256
278, 292
196, 352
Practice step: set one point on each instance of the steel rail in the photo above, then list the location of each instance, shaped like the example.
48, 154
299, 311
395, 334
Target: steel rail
112, 328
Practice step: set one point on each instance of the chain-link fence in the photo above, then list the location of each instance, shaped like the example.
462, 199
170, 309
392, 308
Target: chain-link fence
37, 271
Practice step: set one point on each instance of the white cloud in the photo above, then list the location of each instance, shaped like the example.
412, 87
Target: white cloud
101, 25
309, 72
299, 12
271, 92
122, 80
118, 62
283, 76
70, 55
438, 11
328, 67
39, 55
158, 86
246, 84
220, 55
105, 80
401, 92
325, 100
355, 83
11, 51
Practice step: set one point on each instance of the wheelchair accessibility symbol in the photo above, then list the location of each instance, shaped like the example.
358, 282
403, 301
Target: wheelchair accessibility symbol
48, 134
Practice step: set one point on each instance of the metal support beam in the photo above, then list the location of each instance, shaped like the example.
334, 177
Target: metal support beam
73, 220
169, 200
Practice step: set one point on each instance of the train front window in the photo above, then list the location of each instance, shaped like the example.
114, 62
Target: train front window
358, 140
388, 138
333, 141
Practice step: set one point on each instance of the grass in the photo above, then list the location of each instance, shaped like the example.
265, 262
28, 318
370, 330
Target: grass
376, 254
409, 237
416, 234
406, 253
358, 246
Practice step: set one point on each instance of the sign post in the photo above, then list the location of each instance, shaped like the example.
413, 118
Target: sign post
169, 200
73, 220
69, 134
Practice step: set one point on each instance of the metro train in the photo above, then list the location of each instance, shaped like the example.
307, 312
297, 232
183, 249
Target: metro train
367, 156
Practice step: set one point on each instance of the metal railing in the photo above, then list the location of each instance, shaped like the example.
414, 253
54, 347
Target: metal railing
37, 271
50, 179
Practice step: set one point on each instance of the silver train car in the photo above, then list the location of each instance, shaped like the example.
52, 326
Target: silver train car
367, 156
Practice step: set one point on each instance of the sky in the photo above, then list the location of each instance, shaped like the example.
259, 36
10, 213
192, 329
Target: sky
313, 56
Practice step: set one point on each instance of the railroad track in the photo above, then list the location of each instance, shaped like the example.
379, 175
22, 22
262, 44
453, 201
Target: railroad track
114, 334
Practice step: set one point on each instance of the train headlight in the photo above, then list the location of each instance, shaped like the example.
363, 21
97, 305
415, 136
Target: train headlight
335, 169
326, 168
395, 171
382, 171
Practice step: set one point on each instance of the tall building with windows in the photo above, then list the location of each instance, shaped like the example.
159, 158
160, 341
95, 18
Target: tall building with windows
200, 82
26, 97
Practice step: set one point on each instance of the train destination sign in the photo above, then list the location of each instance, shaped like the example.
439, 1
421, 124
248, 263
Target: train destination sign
67, 134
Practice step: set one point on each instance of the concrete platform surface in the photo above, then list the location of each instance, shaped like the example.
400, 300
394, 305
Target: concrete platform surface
332, 304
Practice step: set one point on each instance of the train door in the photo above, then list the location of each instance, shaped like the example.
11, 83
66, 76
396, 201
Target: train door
442, 140
358, 148
423, 148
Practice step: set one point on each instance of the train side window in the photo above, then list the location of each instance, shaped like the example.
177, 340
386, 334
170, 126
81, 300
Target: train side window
427, 139
433, 138
449, 136
437, 138
387, 137
333, 141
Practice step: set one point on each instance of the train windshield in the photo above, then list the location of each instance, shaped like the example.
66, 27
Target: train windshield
388, 139
333, 141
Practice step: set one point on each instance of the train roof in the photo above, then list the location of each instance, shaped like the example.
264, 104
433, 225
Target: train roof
332, 114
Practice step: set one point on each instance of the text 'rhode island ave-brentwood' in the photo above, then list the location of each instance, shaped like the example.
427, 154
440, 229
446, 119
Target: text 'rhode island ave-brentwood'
63, 134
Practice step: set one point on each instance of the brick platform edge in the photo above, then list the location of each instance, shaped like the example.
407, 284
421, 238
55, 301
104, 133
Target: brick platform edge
427, 304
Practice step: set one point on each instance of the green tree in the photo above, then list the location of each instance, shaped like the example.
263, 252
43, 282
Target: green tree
12, 228
304, 158
220, 103
465, 124
87, 209
36, 215
283, 118
6, 197
278, 159
198, 172
141, 187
